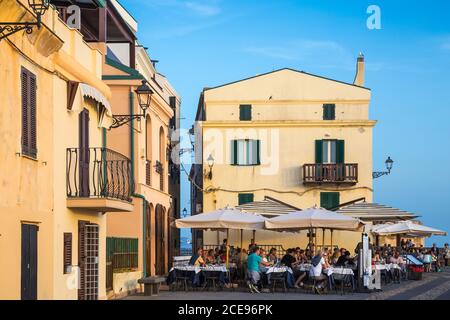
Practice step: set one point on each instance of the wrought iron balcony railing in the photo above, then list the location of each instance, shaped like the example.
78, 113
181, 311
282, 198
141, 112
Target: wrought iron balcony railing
98, 173
330, 173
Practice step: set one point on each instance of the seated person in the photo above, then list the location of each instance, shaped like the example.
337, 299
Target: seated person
377, 258
343, 259
222, 257
334, 258
319, 263
290, 261
197, 259
302, 257
210, 258
272, 257
253, 274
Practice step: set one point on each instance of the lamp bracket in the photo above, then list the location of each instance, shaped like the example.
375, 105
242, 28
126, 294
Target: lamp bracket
9, 28
122, 119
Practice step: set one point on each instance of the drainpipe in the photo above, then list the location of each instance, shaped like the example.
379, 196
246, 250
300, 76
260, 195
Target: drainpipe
136, 195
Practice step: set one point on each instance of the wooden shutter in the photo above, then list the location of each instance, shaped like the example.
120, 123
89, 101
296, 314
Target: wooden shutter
319, 151
329, 200
245, 112
82, 258
258, 152
25, 116
329, 112
340, 151
244, 198
29, 134
67, 255
234, 152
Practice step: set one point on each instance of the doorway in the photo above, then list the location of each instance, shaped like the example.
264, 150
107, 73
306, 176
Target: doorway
29, 262
84, 153
160, 238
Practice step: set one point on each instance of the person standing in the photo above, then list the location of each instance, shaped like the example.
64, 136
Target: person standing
446, 254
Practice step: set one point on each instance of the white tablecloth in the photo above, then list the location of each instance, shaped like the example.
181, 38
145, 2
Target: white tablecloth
387, 267
197, 269
278, 270
337, 270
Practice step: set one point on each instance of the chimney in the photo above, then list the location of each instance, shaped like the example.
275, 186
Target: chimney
359, 78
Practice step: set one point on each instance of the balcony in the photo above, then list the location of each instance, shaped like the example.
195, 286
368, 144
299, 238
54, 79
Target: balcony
99, 179
330, 173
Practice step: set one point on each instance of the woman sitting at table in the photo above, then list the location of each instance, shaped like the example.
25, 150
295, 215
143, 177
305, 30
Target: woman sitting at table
377, 258
197, 259
290, 261
272, 257
335, 257
210, 258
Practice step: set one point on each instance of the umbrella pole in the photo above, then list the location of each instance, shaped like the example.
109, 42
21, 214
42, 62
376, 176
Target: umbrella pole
228, 247
242, 243
331, 234
254, 236
323, 238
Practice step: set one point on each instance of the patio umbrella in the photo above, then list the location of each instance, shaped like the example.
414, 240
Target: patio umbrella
226, 218
406, 227
314, 218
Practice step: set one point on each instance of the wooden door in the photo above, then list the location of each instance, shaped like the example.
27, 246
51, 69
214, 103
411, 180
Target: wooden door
84, 153
148, 241
160, 238
29, 262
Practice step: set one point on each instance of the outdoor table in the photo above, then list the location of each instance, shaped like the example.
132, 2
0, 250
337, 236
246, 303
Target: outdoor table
197, 270
268, 271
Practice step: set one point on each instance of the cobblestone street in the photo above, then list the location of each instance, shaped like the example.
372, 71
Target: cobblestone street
434, 286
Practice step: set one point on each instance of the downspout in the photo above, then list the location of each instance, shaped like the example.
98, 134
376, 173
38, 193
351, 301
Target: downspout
136, 195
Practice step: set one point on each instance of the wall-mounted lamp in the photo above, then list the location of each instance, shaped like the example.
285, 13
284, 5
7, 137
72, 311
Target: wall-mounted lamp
144, 94
210, 162
389, 164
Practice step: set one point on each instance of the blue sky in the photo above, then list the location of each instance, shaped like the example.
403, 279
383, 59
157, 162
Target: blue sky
210, 42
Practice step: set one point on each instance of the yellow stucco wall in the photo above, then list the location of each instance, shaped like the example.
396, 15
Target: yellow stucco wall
34, 191
287, 118
132, 224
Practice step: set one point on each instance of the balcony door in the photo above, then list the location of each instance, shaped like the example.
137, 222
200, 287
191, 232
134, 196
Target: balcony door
330, 160
160, 238
84, 153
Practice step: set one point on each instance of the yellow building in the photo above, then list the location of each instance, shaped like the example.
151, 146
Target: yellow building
57, 179
299, 138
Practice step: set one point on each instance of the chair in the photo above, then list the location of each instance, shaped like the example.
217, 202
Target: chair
182, 278
278, 277
343, 280
211, 278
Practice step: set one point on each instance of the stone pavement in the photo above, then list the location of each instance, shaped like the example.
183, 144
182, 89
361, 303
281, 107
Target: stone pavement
434, 286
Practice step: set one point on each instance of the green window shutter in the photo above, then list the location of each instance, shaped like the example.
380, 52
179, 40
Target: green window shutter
329, 112
319, 151
340, 151
234, 152
245, 198
258, 152
329, 200
245, 112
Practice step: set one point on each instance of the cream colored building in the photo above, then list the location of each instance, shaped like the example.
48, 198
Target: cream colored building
55, 174
299, 138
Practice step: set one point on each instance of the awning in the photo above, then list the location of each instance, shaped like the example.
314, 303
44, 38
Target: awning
373, 211
103, 107
407, 228
268, 207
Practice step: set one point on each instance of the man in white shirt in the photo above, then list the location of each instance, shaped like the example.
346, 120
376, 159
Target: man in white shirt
319, 262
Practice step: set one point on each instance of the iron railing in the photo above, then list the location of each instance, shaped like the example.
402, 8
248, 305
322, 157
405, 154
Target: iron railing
330, 173
98, 173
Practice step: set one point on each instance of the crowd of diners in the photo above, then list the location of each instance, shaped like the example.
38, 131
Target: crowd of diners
254, 261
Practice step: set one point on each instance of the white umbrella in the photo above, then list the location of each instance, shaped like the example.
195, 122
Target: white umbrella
226, 218
407, 227
315, 218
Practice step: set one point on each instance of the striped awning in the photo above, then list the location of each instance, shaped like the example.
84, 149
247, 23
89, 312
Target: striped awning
374, 211
104, 110
268, 208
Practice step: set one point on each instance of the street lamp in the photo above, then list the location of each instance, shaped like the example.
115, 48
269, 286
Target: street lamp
144, 94
389, 164
39, 8
210, 162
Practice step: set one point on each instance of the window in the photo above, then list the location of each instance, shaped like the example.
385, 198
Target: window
329, 112
245, 152
67, 255
245, 112
245, 198
28, 84
329, 200
330, 151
